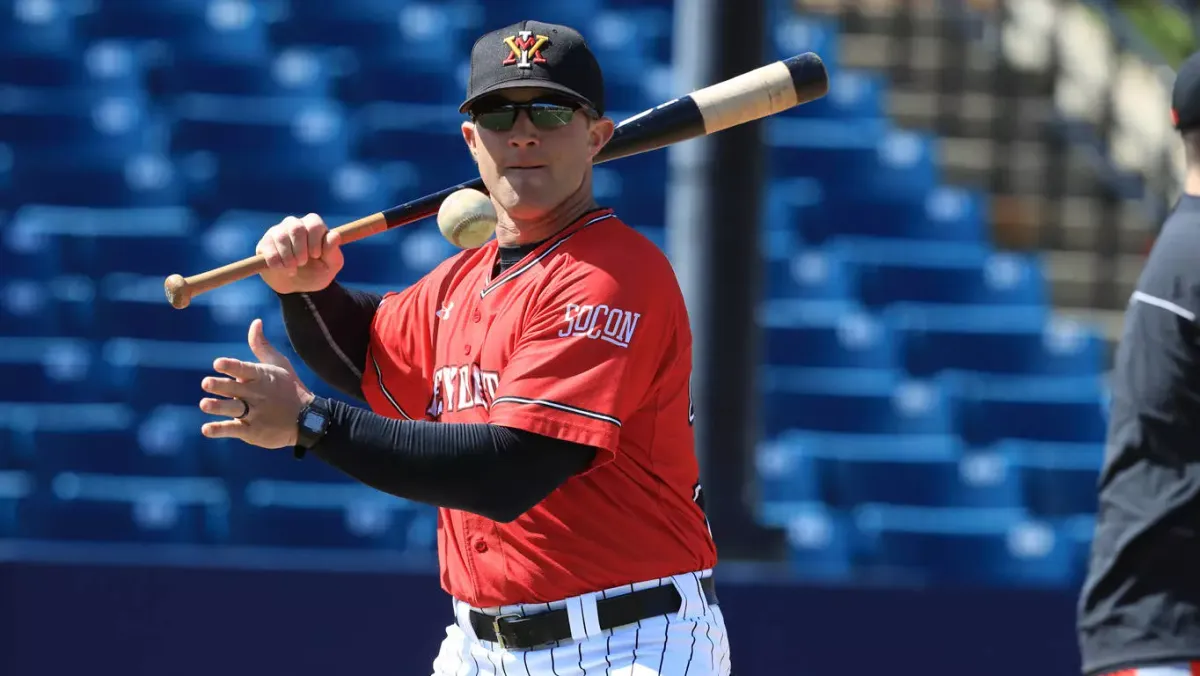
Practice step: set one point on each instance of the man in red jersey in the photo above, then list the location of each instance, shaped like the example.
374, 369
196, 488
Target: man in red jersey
535, 389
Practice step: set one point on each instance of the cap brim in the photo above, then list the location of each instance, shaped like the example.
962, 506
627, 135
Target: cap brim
525, 84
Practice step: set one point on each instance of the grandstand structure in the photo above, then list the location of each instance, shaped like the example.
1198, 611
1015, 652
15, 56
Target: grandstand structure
930, 411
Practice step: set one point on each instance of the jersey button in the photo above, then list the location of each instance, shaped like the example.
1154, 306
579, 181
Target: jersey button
481, 546
466, 349
476, 317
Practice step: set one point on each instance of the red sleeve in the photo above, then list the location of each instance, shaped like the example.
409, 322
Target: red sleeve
587, 358
397, 377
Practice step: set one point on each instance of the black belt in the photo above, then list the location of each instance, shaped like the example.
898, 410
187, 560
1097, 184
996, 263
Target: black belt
534, 631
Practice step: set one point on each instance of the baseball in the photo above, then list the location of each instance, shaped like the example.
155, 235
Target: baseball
467, 218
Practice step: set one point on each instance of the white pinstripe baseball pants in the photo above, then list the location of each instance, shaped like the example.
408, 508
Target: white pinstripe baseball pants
691, 642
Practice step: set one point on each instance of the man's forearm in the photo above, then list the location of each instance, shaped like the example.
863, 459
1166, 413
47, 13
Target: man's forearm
494, 471
330, 331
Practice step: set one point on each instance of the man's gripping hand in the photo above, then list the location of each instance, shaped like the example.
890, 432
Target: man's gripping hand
302, 255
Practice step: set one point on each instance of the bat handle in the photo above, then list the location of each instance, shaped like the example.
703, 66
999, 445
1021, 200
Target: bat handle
181, 290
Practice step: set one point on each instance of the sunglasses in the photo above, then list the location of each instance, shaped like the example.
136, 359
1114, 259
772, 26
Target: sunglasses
544, 115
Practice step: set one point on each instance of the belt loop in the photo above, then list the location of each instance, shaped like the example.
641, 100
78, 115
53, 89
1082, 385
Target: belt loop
462, 616
582, 615
688, 586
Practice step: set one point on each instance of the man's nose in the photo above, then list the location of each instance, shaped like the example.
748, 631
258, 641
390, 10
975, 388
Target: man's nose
523, 133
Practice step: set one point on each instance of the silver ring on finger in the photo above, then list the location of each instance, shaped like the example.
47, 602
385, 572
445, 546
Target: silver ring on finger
245, 409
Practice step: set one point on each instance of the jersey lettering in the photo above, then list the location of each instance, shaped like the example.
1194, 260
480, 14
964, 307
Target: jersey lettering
602, 322
458, 388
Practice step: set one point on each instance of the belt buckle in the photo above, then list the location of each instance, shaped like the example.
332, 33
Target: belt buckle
496, 628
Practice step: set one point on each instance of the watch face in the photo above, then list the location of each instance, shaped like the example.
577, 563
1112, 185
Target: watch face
313, 421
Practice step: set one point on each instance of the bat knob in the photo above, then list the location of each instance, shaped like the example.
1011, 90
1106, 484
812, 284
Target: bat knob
178, 294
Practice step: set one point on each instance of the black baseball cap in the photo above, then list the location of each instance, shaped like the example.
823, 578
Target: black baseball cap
1185, 95
535, 54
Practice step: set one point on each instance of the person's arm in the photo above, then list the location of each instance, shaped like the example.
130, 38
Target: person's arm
490, 470
330, 331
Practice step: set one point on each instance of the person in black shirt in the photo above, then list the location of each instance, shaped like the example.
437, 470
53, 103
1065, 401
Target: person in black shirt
1139, 609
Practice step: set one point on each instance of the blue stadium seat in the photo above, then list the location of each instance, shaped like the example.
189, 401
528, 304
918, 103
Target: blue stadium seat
821, 541
112, 508
89, 438
47, 307
1045, 408
630, 41
49, 370
351, 187
838, 154
146, 373
300, 73
1060, 479
853, 94
368, 81
636, 190
921, 470
889, 271
941, 214
830, 334
16, 487
787, 472
220, 29
139, 180
409, 136
271, 133
95, 241
133, 306
74, 125
811, 274
792, 33
328, 515
852, 400
1019, 340
37, 25
421, 32
110, 66
999, 547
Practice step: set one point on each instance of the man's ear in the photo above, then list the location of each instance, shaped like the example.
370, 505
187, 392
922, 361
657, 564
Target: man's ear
470, 138
600, 132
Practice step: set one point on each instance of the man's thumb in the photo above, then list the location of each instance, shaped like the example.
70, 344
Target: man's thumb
262, 348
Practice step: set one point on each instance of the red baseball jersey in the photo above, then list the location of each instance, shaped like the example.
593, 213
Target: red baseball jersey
585, 339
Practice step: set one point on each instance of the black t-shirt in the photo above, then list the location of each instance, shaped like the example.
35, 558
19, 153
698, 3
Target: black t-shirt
1140, 604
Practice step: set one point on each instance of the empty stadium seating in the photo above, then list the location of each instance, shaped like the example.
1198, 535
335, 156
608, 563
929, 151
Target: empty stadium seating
926, 416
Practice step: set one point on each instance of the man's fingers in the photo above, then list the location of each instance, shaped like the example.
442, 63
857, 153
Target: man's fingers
298, 235
236, 368
315, 229
283, 244
225, 387
225, 429
229, 408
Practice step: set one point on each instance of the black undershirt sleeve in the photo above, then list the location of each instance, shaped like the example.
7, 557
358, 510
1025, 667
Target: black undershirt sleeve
330, 331
496, 472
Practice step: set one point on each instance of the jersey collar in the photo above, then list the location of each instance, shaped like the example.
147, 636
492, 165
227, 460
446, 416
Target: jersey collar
533, 257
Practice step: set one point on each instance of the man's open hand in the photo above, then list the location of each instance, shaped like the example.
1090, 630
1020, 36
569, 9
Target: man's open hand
271, 390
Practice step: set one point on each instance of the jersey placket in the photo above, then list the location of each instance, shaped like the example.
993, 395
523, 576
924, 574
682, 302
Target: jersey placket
482, 535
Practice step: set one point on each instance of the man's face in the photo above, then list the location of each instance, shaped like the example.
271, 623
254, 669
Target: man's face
530, 170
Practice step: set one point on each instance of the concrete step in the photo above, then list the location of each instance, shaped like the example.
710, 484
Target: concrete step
1033, 223
1075, 277
972, 115
1026, 167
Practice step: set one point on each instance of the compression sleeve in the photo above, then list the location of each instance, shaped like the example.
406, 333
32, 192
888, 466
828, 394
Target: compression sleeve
496, 472
330, 331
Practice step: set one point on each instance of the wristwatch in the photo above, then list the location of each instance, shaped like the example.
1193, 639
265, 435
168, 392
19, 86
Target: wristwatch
312, 424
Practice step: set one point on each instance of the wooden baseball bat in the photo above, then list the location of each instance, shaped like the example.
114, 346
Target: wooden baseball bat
753, 95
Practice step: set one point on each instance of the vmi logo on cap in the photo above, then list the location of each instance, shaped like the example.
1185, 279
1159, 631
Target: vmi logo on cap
526, 49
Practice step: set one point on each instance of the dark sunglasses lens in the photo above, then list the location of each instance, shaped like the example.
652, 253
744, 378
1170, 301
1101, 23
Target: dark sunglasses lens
551, 116
497, 120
